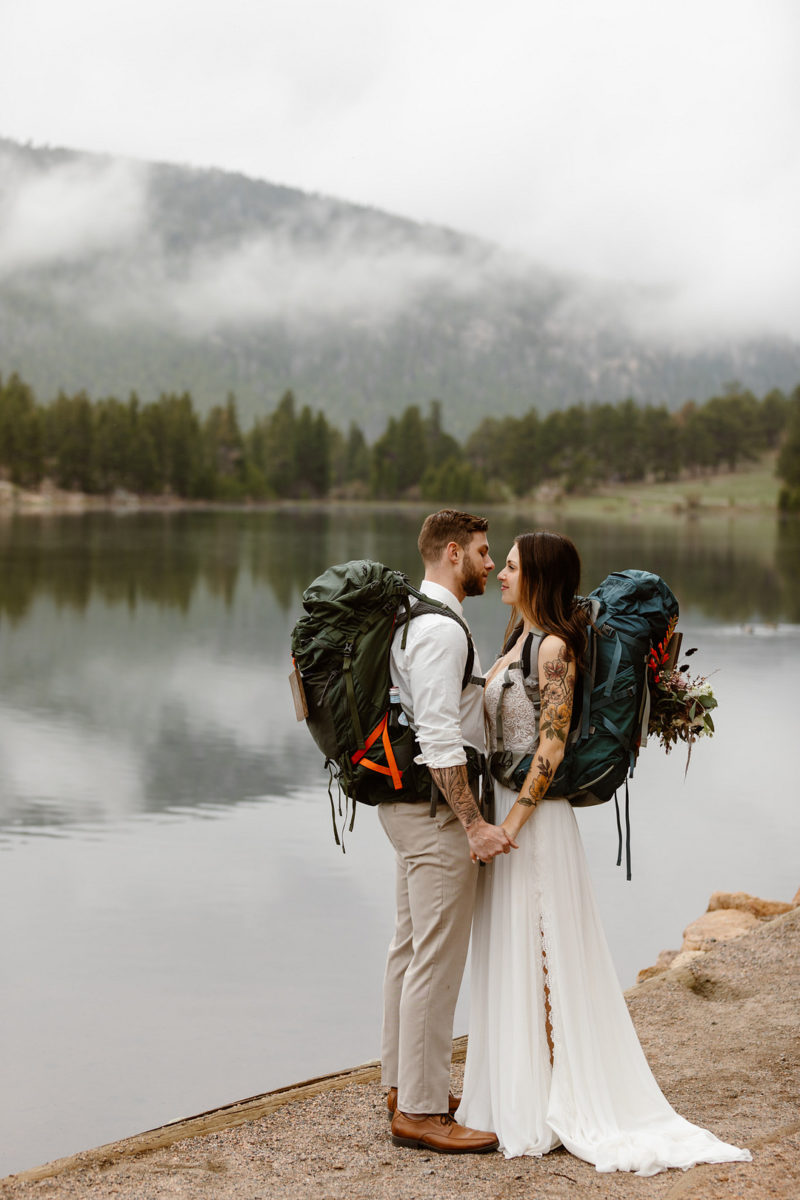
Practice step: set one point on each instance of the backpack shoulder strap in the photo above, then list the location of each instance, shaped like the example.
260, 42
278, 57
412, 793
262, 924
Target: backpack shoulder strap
427, 605
525, 657
528, 661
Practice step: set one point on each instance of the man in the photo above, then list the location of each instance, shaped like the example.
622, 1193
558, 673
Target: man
435, 874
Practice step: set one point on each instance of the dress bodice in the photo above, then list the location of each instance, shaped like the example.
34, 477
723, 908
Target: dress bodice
520, 716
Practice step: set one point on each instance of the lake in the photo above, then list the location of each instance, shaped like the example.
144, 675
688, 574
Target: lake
179, 930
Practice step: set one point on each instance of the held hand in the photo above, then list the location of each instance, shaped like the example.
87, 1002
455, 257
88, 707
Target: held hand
487, 841
511, 828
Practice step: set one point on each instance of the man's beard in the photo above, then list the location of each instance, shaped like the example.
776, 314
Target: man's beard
473, 579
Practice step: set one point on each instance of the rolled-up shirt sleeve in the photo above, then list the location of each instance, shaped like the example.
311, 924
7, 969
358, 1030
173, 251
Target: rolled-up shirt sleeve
432, 669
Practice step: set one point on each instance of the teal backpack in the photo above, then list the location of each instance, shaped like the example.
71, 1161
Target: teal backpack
341, 681
627, 615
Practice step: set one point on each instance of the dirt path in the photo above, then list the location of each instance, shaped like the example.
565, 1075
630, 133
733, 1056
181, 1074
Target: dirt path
721, 1034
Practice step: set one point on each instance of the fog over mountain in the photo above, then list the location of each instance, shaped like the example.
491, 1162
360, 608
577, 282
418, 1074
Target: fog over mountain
118, 276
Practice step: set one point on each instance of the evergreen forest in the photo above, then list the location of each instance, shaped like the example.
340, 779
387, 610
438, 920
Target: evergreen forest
168, 448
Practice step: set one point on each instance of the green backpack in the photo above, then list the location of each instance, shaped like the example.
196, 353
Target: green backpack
340, 650
627, 615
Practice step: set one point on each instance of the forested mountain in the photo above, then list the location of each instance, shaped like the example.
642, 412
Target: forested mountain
117, 276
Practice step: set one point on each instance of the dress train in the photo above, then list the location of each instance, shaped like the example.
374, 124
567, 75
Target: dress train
539, 951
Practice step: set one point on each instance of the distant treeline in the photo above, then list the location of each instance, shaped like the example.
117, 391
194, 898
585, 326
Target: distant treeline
166, 447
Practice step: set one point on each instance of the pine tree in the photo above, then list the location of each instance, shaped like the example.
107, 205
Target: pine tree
69, 440
113, 440
312, 454
224, 464
280, 449
772, 416
789, 457
356, 460
21, 433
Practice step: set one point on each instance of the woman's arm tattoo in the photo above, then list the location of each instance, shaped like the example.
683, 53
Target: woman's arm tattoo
539, 784
554, 721
557, 696
452, 782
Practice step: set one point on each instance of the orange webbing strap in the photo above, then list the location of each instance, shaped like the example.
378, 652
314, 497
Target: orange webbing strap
358, 759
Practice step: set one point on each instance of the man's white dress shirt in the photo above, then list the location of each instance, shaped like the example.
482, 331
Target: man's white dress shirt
429, 673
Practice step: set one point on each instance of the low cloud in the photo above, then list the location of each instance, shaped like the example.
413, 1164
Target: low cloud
314, 265
319, 263
362, 279
71, 211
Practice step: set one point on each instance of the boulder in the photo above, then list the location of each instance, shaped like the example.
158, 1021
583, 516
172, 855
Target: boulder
729, 915
743, 902
684, 958
717, 926
662, 964
665, 959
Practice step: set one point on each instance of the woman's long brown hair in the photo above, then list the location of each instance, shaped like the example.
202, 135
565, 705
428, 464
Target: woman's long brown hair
550, 570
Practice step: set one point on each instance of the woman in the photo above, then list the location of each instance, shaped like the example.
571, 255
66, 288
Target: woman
553, 1056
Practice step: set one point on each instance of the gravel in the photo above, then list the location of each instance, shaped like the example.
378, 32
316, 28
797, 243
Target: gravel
721, 1035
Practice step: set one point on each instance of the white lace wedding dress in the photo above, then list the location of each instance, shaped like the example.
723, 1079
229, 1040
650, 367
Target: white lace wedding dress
537, 945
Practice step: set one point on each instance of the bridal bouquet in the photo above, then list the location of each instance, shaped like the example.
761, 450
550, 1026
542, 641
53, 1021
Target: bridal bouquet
680, 704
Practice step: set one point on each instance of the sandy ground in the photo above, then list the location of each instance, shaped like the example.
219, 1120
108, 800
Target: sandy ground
721, 1034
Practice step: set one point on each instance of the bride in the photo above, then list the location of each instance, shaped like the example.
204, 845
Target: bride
553, 1057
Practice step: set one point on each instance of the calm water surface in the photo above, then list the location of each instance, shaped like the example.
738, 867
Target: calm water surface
178, 928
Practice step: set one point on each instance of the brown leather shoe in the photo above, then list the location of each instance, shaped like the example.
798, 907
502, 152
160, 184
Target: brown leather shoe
391, 1102
441, 1133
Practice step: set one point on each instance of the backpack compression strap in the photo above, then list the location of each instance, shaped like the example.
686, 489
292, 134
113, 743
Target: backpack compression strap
347, 672
381, 731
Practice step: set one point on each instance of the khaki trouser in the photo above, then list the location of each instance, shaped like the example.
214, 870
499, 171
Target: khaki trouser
435, 897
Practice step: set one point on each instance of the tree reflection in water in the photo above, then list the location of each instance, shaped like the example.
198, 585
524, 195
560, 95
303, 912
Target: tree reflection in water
742, 569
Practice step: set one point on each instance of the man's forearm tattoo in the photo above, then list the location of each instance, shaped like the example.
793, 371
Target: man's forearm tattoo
452, 782
539, 784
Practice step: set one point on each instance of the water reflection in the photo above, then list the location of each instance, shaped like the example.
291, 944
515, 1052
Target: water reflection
144, 656
54, 773
739, 569
164, 558
167, 853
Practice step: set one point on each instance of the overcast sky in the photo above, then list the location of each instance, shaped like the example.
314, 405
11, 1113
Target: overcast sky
653, 141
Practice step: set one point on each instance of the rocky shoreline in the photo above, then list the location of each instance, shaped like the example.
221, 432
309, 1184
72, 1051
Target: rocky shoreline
729, 915
620, 502
718, 1021
48, 499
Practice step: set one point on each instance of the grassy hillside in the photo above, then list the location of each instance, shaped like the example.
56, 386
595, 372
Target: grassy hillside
752, 489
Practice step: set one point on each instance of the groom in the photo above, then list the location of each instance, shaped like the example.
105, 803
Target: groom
435, 875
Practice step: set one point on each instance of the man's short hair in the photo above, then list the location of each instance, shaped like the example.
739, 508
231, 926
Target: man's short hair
447, 525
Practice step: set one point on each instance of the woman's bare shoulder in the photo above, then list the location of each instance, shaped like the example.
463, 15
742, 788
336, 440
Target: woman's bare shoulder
553, 646
555, 660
